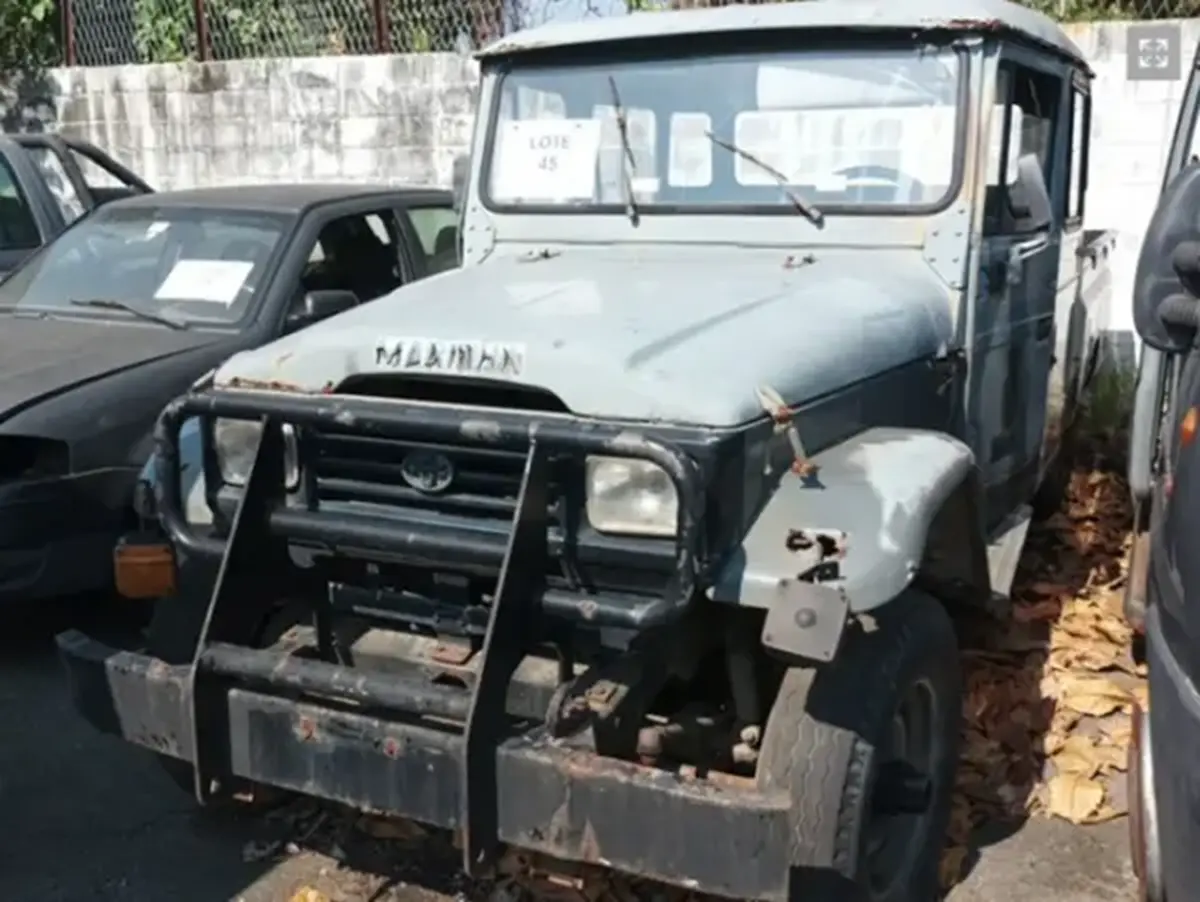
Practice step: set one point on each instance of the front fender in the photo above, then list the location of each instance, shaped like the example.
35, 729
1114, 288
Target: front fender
191, 474
846, 539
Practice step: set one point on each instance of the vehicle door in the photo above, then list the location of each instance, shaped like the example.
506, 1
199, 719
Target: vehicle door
1076, 317
340, 258
28, 218
79, 175
433, 238
1014, 337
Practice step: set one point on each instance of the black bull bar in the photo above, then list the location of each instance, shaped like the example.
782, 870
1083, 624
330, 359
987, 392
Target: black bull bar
381, 742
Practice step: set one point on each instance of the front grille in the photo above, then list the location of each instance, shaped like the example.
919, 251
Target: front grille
356, 468
485, 481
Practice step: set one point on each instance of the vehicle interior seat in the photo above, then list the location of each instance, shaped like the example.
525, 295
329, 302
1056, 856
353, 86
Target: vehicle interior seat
358, 260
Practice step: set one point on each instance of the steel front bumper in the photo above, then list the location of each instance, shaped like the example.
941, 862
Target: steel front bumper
724, 838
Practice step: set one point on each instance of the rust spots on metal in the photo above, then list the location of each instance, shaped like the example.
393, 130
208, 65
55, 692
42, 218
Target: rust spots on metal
797, 261
600, 696
262, 385
587, 608
306, 729
968, 24
717, 779
785, 424
829, 544
392, 748
453, 653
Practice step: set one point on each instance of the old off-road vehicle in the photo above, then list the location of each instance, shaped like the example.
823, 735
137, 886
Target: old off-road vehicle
636, 540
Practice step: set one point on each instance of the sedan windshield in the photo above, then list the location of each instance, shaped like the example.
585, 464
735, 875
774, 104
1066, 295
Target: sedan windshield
835, 128
176, 265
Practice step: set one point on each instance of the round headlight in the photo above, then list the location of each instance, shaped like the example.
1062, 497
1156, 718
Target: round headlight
632, 497
236, 444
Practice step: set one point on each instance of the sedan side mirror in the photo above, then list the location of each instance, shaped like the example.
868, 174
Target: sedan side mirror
319, 305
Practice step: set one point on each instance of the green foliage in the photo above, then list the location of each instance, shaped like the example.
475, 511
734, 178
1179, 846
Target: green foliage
166, 31
1063, 10
29, 35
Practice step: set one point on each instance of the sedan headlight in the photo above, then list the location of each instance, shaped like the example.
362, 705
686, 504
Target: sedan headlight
236, 443
633, 497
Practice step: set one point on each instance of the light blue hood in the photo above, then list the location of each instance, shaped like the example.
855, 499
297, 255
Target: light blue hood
683, 335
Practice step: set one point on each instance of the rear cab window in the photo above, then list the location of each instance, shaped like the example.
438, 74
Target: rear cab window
437, 236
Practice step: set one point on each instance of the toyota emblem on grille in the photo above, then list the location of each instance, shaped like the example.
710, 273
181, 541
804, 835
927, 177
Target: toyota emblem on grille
427, 471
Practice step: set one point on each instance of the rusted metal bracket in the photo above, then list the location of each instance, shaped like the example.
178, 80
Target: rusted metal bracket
781, 415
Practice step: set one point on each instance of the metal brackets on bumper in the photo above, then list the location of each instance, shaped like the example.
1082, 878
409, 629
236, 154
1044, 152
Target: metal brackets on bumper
731, 840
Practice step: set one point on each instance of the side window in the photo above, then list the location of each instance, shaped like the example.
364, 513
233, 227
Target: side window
59, 184
357, 253
1081, 120
1027, 104
437, 234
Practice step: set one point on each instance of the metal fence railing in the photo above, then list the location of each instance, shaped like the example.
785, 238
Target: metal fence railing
114, 32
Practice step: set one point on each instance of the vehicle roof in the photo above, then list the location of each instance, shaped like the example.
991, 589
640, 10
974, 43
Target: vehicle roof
281, 198
876, 15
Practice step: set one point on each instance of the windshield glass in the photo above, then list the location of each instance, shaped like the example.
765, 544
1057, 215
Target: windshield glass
844, 128
185, 265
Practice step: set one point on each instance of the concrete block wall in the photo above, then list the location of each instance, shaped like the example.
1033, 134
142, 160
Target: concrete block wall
404, 118
396, 118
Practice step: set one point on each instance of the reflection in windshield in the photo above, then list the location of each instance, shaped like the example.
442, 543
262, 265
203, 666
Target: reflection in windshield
842, 128
173, 265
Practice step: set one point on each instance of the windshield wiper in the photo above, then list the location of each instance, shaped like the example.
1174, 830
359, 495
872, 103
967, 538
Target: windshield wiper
807, 210
628, 162
124, 306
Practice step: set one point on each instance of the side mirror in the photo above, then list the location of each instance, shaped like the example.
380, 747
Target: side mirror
461, 169
1166, 287
1028, 199
319, 305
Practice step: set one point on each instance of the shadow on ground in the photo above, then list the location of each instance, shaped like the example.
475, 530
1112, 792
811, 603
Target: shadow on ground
86, 816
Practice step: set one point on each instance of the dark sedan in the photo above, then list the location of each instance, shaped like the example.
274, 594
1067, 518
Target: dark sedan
134, 303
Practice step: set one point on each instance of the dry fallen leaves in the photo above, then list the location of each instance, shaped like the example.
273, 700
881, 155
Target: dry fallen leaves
1048, 694
308, 894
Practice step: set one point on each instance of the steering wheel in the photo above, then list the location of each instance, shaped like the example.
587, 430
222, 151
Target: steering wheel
893, 177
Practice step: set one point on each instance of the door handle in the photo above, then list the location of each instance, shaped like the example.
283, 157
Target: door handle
1022, 251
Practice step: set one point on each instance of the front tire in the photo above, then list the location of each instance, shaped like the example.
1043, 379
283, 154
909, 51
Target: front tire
851, 737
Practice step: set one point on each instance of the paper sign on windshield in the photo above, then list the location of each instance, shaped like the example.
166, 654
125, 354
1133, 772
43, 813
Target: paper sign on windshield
548, 160
214, 281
